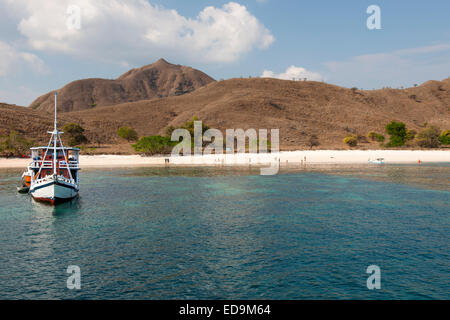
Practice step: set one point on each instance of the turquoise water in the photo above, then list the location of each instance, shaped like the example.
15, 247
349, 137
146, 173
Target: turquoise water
232, 234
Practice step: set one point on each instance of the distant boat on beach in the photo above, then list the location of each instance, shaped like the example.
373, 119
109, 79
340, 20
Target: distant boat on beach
53, 174
377, 161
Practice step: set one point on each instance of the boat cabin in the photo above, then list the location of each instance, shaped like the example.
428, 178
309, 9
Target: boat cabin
66, 159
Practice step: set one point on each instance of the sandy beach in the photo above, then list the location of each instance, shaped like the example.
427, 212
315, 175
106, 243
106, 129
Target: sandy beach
284, 158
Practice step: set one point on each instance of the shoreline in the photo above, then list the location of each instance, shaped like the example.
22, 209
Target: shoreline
284, 158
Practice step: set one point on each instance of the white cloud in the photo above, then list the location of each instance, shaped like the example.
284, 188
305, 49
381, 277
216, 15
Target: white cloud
13, 60
397, 68
130, 31
293, 72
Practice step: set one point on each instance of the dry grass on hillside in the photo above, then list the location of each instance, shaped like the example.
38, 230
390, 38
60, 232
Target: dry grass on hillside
299, 109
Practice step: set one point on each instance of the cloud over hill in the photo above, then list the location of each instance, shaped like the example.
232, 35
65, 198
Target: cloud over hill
214, 35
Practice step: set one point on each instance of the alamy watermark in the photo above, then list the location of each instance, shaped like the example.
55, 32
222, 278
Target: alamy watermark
73, 21
374, 280
211, 142
374, 20
74, 280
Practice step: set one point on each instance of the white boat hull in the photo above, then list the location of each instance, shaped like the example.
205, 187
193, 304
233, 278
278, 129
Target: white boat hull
53, 191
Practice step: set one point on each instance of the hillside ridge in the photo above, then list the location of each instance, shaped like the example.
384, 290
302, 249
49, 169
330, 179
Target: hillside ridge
157, 80
300, 109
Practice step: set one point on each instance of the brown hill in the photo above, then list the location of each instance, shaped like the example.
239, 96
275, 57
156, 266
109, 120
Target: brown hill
299, 109
34, 124
23, 120
157, 80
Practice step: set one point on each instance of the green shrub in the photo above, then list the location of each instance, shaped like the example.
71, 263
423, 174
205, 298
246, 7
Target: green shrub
189, 126
14, 144
395, 141
410, 134
397, 132
74, 133
374, 136
444, 138
127, 133
154, 145
428, 138
351, 140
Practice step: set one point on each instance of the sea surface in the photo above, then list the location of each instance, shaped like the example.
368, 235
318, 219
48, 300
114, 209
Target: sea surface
229, 233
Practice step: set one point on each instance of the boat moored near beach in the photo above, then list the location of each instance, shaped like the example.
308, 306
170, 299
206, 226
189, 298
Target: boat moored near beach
52, 176
377, 161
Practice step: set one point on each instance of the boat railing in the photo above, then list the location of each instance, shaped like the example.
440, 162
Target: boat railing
67, 180
43, 164
41, 180
50, 178
48, 164
72, 164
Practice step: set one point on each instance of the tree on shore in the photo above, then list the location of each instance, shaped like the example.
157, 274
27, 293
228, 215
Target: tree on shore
351, 140
154, 145
428, 137
444, 138
313, 141
189, 126
397, 132
374, 136
75, 134
128, 133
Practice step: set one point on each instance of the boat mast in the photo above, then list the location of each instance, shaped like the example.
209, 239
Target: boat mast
55, 134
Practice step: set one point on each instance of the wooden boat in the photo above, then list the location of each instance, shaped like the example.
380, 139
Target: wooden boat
53, 174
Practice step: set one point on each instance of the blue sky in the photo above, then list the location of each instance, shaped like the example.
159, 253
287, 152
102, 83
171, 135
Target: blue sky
319, 40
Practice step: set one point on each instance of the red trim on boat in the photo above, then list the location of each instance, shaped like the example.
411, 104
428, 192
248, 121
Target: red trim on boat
46, 200
53, 201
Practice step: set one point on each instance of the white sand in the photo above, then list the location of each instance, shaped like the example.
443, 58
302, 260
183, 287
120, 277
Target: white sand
312, 157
